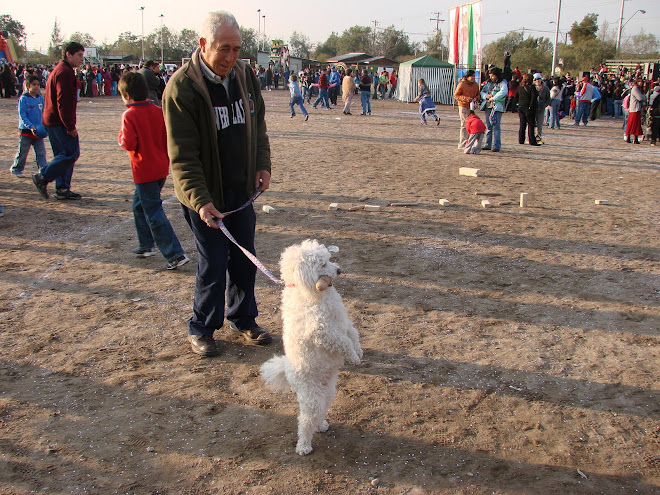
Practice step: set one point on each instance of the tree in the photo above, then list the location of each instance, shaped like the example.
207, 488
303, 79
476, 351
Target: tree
249, 43
299, 45
356, 39
185, 43
526, 53
56, 41
641, 45
392, 43
14, 28
329, 48
435, 45
584, 31
85, 39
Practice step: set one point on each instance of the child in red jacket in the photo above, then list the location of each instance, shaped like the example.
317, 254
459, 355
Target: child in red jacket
143, 135
475, 129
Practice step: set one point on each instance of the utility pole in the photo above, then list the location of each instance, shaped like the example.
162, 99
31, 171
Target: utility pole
259, 33
264, 47
554, 48
142, 10
618, 35
437, 31
162, 59
373, 43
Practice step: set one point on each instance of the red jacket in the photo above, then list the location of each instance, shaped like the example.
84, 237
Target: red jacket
60, 101
473, 125
143, 135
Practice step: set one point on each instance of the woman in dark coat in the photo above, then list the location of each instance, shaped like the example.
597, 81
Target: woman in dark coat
526, 97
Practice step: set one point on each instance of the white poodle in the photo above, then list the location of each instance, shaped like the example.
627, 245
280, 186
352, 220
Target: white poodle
317, 337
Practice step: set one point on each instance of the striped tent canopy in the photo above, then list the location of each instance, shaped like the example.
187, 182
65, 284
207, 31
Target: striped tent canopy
438, 75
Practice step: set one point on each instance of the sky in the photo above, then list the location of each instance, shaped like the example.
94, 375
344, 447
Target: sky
315, 20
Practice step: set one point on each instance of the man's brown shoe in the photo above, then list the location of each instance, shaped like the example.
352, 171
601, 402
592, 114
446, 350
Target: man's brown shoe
252, 336
204, 345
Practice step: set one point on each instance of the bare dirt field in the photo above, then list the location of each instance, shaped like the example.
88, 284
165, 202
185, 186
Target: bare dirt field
507, 350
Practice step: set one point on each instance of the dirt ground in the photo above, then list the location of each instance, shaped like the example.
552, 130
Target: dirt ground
507, 350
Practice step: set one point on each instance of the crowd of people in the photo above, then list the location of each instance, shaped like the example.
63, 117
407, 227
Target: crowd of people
543, 102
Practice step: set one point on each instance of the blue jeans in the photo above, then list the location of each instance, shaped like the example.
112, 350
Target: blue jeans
113, 88
609, 106
323, 95
151, 223
297, 100
365, 99
582, 112
617, 108
625, 119
554, 113
66, 149
494, 133
24, 145
222, 265
392, 91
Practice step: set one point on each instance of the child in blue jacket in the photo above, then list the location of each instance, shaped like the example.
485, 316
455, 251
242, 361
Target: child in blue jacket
30, 129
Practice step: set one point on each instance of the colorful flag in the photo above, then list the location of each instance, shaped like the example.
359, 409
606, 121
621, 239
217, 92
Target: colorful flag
465, 35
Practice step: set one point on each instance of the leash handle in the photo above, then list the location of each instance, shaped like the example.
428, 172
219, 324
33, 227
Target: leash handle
247, 253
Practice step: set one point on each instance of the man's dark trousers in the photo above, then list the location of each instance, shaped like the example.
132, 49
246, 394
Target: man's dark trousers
219, 258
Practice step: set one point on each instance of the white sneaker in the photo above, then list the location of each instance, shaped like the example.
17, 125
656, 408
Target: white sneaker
180, 261
20, 175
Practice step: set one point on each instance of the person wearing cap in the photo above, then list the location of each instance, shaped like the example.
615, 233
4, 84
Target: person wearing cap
542, 102
334, 83
149, 72
467, 95
583, 95
493, 96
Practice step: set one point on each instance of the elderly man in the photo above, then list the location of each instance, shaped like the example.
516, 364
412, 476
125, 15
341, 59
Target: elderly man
219, 154
151, 73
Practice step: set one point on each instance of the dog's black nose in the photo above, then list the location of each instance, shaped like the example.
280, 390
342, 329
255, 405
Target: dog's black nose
338, 271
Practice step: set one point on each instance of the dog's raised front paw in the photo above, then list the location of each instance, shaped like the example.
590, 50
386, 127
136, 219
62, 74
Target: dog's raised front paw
303, 449
324, 426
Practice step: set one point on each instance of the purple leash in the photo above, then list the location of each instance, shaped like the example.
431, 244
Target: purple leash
247, 253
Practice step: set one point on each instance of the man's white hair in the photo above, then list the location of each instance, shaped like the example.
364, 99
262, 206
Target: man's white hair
214, 21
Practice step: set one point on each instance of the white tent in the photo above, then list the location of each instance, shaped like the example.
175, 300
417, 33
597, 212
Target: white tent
438, 75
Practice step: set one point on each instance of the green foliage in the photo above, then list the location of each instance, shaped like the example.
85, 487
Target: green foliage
526, 53
585, 55
329, 48
14, 28
389, 42
642, 45
584, 31
435, 46
299, 45
85, 39
249, 43
56, 41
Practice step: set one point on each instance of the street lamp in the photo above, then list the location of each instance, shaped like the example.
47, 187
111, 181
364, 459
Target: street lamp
162, 60
142, 10
622, 25
554, 48
259, 32
264, 47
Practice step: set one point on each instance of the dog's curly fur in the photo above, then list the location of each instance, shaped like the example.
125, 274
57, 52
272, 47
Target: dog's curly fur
318, 336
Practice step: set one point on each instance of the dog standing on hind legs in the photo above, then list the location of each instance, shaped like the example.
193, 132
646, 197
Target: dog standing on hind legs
317, 334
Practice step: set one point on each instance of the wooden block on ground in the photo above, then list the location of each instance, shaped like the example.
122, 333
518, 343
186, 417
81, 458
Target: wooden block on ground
268, 208
444, 202
371, 208
333, 206
404, 204
363, 198
602, 202
487, 194
356, 208
469, 172
504, 203
485, 203
523, 200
